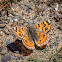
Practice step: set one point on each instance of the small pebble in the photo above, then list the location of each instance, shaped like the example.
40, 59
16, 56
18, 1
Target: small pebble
8, 42
15, 19
12, 56
1, 49
56, 44
6, 58
51, 46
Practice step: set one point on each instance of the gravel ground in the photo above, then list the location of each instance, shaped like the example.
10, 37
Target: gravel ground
31, 11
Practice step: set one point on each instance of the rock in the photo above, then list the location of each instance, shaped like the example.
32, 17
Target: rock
8, 42
13, 48
15, 19
6, 58
51, 46
1, 48
16, 52
56, 44
12, 56
1, 33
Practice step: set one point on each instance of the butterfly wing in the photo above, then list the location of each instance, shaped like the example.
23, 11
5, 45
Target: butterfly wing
41, 33
28, 42
46, 27
19, 31
41, 39
22, 33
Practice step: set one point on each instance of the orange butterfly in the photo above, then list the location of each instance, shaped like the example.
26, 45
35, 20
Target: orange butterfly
36, 34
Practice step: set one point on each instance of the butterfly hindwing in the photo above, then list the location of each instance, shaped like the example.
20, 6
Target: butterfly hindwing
41, 40
28, 42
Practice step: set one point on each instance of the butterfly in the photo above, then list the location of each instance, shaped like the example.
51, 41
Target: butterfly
31, 35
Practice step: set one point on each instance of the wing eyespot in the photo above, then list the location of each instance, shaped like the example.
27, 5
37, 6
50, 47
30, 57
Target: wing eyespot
44, 25
19, 34
38, 25
25, 40
43, 22
46, 29
40, 40
30, 43
43, 35
22, 28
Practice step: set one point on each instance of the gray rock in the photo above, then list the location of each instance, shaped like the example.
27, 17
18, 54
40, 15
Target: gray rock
1, 48
16, 52
8, 42
6, 58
